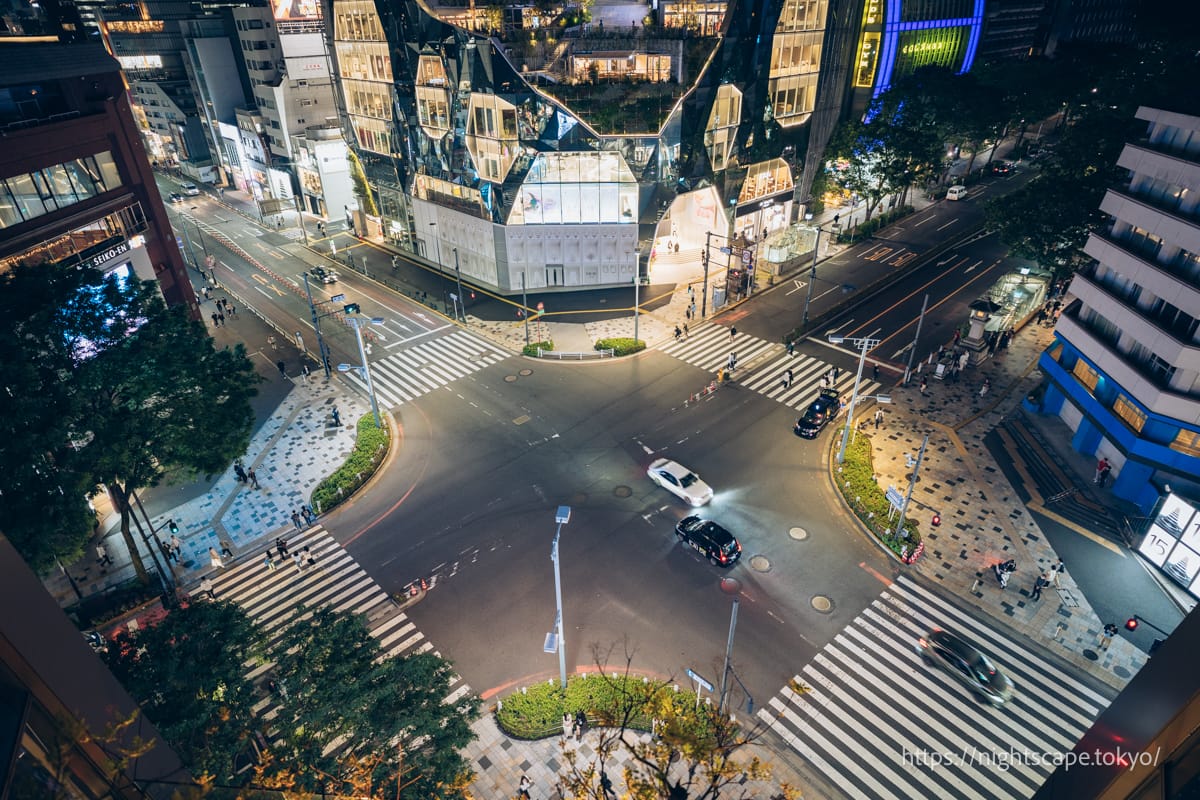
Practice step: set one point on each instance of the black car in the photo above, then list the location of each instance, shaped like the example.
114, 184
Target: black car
826, 407
176, 197
710, 540
322, 275
966, 664
1001, 167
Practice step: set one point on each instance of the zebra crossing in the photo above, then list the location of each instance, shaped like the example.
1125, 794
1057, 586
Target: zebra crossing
417, 370
710, 346
273, 599
876, 722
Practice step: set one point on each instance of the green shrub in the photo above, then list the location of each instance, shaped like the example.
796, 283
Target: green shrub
537, 711
531, 349
856, 481
370, 448
621, 345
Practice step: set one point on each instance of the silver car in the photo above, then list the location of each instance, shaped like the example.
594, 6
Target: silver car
680, 481
962, 661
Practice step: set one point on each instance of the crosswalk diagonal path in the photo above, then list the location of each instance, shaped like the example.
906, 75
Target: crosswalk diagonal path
418, 369
710, 346
273, 598
876, 722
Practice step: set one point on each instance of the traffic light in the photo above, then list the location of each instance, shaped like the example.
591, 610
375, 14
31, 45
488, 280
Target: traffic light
173, 526
1131, 624
351, 308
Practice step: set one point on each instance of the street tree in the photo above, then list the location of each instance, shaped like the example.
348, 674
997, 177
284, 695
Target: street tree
188, 673
156, 400
352, 718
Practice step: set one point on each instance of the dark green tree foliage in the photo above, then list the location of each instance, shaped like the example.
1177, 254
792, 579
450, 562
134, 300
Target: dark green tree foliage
188, 672
337, 689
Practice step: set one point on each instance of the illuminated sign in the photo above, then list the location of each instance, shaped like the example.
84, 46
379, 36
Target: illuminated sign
134, 26
296, 9
1173, 542
108, 255
140, 62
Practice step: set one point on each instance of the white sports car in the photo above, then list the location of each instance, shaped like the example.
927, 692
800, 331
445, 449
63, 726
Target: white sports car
680, 481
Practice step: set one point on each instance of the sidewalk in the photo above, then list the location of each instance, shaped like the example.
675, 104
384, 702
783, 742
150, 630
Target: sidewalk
984, 521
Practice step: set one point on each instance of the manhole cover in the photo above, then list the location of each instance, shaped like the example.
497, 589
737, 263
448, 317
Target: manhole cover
799, 534
1091, 655
510, 378
578, 499
822, 603
1122, 672
526, 372
760, 564
622, 491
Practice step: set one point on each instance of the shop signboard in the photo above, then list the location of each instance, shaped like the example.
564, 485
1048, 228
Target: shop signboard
1173, 542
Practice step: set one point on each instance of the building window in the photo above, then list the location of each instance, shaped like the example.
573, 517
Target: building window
1187, 442
1086, 375
1161, 370
1130, 414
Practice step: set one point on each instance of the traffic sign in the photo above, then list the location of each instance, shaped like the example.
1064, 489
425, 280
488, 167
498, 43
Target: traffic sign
726, 250
541, 308
747, 256
894, 497
705, 684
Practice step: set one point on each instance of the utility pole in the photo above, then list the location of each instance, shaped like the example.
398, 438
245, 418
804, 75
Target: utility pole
707, 258
525, 308
728, 656
322, 350
812, 277
458, 278
300, 218
864, 344
916, 338
637, 284
912, 482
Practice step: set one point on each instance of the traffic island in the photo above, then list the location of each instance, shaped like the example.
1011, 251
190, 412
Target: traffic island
370, 450
855, 479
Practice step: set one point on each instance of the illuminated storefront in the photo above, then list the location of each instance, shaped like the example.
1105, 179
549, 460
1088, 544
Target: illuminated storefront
796, 60
901, 36
1173, 542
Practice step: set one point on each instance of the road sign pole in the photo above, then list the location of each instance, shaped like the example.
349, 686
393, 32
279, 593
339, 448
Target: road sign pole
911, 484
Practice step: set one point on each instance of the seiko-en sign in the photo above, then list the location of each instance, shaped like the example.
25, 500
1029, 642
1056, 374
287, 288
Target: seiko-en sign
108, 255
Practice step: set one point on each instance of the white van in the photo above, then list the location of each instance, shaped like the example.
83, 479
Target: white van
956, 192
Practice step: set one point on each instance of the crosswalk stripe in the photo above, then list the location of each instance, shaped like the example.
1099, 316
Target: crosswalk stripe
873, 710
274, 599
407, 374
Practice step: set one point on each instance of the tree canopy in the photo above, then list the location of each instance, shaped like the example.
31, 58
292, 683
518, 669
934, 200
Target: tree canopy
106, 385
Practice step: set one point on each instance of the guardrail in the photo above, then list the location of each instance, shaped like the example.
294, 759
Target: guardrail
607, 353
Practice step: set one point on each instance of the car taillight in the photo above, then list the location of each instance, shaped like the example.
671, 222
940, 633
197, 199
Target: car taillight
739, 546
723, 557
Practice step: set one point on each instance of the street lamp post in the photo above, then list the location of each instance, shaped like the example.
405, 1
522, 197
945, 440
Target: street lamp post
916, 338
912, 482
365, 368
637, 283
863, 344
562, 516
458, 279
728, 655
322, 349
438, 240
300, 218
199, 233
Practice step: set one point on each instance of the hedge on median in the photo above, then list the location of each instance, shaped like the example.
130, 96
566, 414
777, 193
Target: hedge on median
855, 478
621, 345
536, 712
532, 348
370, 448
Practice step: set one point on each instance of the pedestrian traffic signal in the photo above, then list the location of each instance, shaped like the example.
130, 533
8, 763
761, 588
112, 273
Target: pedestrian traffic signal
351, 308
1131, 624
173, 526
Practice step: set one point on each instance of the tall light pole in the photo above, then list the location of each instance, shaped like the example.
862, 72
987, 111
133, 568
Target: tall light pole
322, 349
637, 283
562, 516
912, 482
438, 240
916, 338
707, 257
458, 279
199, 235
365, 369
300, 217
728, 655
863, 344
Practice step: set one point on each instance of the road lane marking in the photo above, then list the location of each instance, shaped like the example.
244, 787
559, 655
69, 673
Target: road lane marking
922, 222
799, 285
948, 224
971, 268
266, 284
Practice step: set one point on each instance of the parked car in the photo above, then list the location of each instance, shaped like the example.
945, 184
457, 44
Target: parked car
826, 407
710, 540
190, 189
965, 664
1001, 167
680, 481
322, 275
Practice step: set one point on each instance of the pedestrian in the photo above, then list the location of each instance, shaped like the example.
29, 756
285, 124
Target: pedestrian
305, 371
687, 313
220, 319
232, 309
568, 725
176, 546
788, 380
282, 367
206, 586
240, 472
983, 387
791, 348
337, 418
271, 341
1057, 572
282, 545
1104, 473
296, 520
214, 558
924, 385
523, 789
678, 333
836, 372
686, 332
268, 561
693, 309
298, 560
580, 725
875, 373
102, 556
226, 550
309, 558
1110, 630
253, 478
306, 512
214, 319
1042, 582
963, 359
1101, 465
732, 361
732, 332
878, 418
